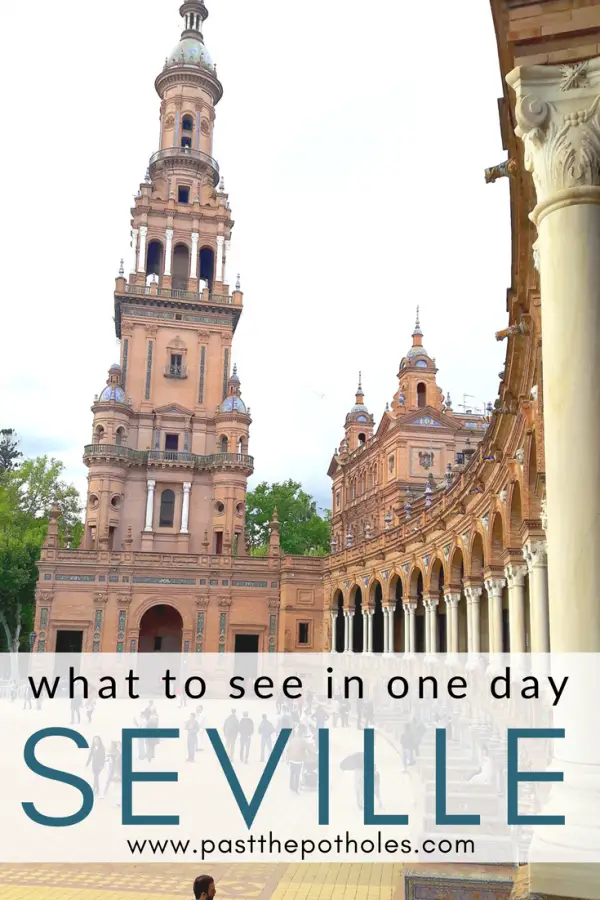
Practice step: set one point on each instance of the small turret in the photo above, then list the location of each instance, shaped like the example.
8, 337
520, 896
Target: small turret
359, 421
274, 540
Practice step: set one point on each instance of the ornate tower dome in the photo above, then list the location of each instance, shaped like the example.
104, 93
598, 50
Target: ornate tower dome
359, 421
113, 392
191, 48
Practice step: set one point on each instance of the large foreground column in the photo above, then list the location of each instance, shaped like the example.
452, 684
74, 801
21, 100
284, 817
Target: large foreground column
557, 115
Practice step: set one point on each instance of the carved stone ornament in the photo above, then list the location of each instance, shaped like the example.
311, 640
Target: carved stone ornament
225, 602
274, 604
202, 602
100, 598
44, 597
557, 113
124, 599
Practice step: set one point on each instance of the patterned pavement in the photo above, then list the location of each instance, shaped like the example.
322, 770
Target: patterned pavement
332, 881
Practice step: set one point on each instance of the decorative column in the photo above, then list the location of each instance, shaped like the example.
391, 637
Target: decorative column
168, 251
558, 118
194, 259
494, 588
150, 506
388, 629
452, 599
334, 615
227, 249
220, 243
370, 615
473, 595
185, 508
536, 557
410, 630
515, 579
141, 266
134, 244
431, 606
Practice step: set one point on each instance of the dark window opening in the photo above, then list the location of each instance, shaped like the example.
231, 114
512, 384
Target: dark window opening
167, 509
207, 265
246, 643
176, 366
303, 632
111, 537
172, 442
154, 258
362, 438
183, 193
224, 445
181, 266
178, 317
421, 395
219, 543
187, 123
236, 543
186, 142
69, 641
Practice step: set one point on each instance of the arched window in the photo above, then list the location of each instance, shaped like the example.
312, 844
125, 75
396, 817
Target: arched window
181, 267
99, 435
362, 438
167, 509
224, 444
154, 258
207, 265
120, 436
421, 395
187, 123
241, 446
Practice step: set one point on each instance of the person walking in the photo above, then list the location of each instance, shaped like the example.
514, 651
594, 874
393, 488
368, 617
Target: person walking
90, 706
407, 742
192, 728
246, 729
97, 758
231, 729
266, 729
201, 720
204, 887
27, 697
76, 704
297, 753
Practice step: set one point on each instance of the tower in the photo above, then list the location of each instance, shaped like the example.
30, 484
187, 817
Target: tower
417, 378
169, 453
359, 421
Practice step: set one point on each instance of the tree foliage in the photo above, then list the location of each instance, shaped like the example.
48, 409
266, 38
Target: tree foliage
27, 494
10, 455
303, 532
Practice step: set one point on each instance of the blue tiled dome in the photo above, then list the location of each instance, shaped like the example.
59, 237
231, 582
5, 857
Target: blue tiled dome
190, 50
233, 404
112, 393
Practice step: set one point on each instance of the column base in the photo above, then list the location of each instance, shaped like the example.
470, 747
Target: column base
147, 540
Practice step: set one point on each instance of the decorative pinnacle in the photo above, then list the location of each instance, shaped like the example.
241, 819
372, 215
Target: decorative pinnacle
360, 382
417, 324
122, 267
222, 184
238, 283
235, 368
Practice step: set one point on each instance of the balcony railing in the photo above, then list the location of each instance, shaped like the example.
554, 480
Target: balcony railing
176, 371
143, 457
186, 153
143, 290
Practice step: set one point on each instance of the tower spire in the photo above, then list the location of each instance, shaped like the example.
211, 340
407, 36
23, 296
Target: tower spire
417, 334
359, 391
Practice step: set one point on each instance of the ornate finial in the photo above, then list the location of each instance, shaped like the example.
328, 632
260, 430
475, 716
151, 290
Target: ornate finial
222, 184
417, 324
387, 407
448, 401
235, 368
238, 283
147, 176
428, 493
449, 475
360, 382
122, 267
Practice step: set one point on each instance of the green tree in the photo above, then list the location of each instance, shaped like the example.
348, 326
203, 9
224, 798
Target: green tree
303, 532
9, 450
27, 494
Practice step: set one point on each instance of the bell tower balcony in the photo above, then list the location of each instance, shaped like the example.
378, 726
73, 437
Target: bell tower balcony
186, 159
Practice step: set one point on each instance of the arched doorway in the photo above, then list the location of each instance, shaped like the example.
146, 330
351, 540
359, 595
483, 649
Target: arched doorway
339, 635
161, 630
378, 619
357, 630
398, 639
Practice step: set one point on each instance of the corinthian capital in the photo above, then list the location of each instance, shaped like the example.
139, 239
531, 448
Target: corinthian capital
558, 119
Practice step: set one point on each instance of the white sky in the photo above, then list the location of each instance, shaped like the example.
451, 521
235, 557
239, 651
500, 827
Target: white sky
352, 136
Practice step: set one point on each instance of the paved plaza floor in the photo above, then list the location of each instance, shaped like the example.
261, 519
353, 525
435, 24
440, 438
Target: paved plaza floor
334, 881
